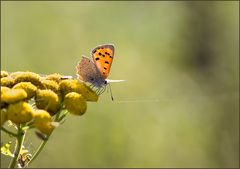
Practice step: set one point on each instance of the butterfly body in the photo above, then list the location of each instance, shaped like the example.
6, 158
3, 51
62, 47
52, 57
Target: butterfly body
96, 71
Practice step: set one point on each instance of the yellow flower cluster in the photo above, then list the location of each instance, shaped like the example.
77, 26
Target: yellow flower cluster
28, 98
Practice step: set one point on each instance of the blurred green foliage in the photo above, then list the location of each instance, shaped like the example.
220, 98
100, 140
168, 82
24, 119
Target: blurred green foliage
180, 104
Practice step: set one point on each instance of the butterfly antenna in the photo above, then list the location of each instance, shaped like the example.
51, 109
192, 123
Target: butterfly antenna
110, 91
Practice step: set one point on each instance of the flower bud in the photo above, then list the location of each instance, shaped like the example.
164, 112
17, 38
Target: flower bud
55, 77
4, 73
20, 112
67, 86
75, 103
47, 100
29, 88
13, 95
26, 77
50, 84
42, 121
7, 81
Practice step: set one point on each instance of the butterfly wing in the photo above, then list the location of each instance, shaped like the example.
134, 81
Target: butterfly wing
88, 72
102, 57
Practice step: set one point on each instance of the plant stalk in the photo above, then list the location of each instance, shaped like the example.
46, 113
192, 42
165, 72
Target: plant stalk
20, 140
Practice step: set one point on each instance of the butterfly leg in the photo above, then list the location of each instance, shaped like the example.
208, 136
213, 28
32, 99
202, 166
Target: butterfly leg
102, 90
91, 86
97, 90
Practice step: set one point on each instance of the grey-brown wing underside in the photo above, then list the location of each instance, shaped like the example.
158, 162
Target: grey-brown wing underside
88, 72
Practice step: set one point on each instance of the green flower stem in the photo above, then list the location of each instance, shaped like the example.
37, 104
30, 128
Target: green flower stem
58, 114
20, 140
37, 152
9, 132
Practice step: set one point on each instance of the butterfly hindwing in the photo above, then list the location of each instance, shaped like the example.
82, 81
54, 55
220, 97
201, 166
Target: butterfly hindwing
88, 72
102, 57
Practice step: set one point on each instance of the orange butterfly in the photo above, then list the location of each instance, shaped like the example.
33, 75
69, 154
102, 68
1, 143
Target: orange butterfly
97, 71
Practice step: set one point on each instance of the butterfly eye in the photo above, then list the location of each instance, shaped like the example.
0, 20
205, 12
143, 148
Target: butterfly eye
105, 82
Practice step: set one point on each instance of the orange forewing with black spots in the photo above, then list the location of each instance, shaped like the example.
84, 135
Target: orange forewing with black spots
103, 57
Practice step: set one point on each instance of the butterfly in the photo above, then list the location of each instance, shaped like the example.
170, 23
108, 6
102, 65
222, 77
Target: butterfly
97, 70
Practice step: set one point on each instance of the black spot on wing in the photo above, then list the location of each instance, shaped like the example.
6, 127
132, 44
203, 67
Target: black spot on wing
97, 59
106, 62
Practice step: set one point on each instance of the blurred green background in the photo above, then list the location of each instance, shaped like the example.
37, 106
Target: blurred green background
180, 104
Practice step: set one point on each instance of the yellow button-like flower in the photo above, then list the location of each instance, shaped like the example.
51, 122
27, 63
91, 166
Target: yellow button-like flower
50, 84
87, 92
55, 77
67, 86
20, 112
29, 88
47, 100
14, 74
3, 90
26, 77
75, 103
7, 81
46, 128
4, 73
13, 95
42, 121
